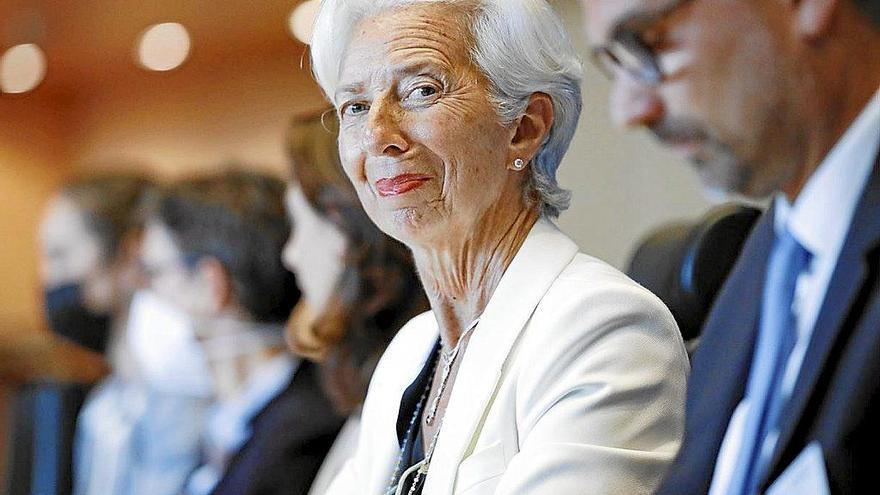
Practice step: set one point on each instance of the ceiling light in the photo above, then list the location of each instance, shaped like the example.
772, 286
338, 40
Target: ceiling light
22, 68
302, 20
164, 46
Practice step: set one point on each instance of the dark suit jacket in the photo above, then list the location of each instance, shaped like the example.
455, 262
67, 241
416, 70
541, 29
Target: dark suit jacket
835, 400
291, 436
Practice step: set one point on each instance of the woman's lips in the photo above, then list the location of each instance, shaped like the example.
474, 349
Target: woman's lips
401, 184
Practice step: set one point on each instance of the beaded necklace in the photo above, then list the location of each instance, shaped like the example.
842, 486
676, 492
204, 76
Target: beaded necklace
449, 360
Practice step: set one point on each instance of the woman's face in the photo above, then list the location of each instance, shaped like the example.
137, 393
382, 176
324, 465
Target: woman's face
314, 251
419, 138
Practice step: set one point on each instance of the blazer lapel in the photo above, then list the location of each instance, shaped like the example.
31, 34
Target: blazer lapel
543, 256
832, 325
723, 359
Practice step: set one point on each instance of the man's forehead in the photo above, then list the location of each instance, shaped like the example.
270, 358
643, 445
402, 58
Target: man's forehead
601, 17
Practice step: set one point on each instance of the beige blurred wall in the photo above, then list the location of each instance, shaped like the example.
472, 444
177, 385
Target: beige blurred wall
181, 124
32, 163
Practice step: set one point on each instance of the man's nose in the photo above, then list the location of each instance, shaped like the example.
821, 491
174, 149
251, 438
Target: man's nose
635, 103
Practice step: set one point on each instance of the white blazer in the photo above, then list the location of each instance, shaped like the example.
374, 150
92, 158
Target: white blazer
573, 383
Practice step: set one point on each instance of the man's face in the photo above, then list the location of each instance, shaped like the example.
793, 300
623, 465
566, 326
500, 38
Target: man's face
721, 100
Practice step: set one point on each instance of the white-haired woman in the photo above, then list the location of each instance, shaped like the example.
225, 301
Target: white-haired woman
539, 370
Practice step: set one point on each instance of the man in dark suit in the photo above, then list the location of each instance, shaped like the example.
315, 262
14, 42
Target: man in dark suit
771, 97
212, 250
289, 440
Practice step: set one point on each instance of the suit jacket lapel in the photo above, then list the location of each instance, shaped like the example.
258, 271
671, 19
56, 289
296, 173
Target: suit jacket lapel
832, 325
723, 359
543, 256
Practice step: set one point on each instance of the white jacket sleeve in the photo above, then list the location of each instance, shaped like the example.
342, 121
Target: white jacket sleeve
601, 408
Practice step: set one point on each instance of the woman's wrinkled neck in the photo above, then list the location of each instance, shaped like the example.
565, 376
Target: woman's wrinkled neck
461, 275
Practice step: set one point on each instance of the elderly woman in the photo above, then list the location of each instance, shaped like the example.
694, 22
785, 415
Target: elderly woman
539, 369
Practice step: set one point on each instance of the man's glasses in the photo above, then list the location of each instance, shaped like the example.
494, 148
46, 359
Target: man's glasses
629, 52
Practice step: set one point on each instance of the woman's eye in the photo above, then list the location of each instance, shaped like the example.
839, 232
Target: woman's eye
354, 109
424, 92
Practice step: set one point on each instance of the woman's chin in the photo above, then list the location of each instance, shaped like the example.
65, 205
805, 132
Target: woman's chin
410, 225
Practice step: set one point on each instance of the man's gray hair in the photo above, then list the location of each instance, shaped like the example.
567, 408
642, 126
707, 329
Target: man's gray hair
520, 45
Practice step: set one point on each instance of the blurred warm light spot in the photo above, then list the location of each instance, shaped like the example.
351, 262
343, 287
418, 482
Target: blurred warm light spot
164, 46
302, 20
22, 68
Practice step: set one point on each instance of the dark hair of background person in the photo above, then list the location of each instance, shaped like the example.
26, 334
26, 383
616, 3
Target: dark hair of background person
237, 218
871, 8
378, 291
111, 205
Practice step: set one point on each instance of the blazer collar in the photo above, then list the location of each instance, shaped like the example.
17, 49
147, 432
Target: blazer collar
844, 288
543, 256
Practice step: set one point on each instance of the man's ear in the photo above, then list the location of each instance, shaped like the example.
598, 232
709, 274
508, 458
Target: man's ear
532, 129
217, 284
813, 18
127, 265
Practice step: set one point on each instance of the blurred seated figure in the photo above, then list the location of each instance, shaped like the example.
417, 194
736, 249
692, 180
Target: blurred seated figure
88, 251
90, 239
133, 436
212, 250
686, 264
359, 285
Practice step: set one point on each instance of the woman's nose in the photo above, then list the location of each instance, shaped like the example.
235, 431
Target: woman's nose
384, 135
635, 104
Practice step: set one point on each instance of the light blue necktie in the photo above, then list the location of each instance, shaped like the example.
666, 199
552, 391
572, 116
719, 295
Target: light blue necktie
777, 336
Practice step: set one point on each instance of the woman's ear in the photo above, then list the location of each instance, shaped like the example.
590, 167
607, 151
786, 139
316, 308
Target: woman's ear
532, 129
216, 285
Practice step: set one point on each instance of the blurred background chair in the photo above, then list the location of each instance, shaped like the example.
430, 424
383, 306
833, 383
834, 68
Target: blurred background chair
685, 264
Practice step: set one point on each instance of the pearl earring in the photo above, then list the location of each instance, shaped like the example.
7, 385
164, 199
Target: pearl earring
519, 164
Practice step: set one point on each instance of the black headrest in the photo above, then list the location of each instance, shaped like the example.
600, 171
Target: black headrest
686, 264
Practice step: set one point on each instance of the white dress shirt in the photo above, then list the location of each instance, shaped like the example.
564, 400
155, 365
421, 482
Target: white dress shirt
819, 220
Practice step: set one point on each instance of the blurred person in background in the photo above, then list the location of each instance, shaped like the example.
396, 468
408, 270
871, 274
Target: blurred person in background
137, 433
88, 251
89, 241
212, 250
359, 285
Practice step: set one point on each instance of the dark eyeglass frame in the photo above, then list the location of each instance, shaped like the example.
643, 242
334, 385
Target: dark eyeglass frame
627, 51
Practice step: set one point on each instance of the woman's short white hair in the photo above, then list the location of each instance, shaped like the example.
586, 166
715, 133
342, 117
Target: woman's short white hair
520, 45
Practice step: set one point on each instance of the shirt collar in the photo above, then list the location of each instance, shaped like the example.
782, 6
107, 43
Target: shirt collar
822, 212
229, 424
